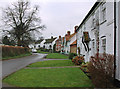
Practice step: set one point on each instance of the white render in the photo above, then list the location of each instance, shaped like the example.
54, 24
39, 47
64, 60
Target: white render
42, 43
118, 41
105, 32
47, 45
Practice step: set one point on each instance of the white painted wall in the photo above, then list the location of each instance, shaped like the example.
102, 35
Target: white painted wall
118, 41
42, 43
106, 29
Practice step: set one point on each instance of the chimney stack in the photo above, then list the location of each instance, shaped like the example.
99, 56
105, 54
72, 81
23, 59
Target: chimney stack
51, 37
59, 37
75, 31
68, 33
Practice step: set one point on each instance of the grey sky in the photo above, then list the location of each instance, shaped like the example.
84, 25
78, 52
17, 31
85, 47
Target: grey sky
59, 16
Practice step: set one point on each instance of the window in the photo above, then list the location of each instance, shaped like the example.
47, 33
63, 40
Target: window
84, 27
104, 45
93, 47
93, 21
103, 12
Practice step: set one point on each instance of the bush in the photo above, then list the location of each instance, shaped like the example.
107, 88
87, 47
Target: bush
101, 68
84, 68
10, 51
71, 55
78, 60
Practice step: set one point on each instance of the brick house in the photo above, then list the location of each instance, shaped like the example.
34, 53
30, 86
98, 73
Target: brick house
58, 44
73, 47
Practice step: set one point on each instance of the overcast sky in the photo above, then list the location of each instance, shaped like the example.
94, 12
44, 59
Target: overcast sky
59, 16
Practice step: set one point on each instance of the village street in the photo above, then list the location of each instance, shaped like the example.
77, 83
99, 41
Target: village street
10, 66
47, 49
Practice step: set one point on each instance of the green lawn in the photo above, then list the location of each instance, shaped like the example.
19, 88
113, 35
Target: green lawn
56, 56
38, 51
60, 77
52, 63
18, 56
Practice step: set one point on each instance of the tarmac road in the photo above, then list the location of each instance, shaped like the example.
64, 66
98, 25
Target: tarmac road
12, 65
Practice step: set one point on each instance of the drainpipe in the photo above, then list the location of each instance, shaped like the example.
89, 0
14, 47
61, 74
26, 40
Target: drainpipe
114, 39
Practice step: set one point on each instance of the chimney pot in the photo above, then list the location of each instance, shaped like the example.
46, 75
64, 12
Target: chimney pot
59, 37
68, 32
75, 29
51, 37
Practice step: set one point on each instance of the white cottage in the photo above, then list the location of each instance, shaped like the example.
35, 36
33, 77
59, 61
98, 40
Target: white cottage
49, 43
98, 32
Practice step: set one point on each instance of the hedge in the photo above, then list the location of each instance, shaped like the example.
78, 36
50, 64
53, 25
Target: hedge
10, 51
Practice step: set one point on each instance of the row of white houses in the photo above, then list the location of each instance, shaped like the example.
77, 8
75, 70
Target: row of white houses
99, 32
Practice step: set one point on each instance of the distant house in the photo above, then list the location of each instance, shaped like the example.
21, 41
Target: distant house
73, 47
58, 44
42, 43
68, 42
73, 42
38, 44
49, 43
62, 45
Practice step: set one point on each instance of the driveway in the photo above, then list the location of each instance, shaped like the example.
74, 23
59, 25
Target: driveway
11, 66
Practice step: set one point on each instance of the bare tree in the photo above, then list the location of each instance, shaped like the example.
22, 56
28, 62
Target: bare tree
23, 22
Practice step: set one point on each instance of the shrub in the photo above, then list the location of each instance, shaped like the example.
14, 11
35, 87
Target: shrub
84, 68
71, 55
101, 68
10, 51
78, 60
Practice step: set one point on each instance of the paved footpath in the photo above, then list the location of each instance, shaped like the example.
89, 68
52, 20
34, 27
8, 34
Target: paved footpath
50, 67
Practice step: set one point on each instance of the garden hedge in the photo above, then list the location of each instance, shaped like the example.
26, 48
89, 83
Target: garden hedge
10, 51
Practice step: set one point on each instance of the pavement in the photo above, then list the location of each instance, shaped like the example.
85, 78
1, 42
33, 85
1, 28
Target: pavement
51, 67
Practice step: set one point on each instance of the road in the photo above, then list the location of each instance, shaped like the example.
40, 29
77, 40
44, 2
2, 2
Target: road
11, 66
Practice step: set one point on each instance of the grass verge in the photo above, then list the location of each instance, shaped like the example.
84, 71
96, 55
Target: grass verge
18, 56
56, 56
60, 77
52, 63
38, 51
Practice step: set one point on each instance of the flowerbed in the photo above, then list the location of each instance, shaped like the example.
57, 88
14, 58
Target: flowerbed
78, 60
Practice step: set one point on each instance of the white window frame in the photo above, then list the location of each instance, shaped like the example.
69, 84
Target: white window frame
103, 12
103, 45
93, 21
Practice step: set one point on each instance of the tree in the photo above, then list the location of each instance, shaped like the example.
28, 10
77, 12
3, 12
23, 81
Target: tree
5, 40
23, 22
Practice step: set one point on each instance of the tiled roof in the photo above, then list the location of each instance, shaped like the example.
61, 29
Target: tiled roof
74, 43
39, 41
49, 40
72, 35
